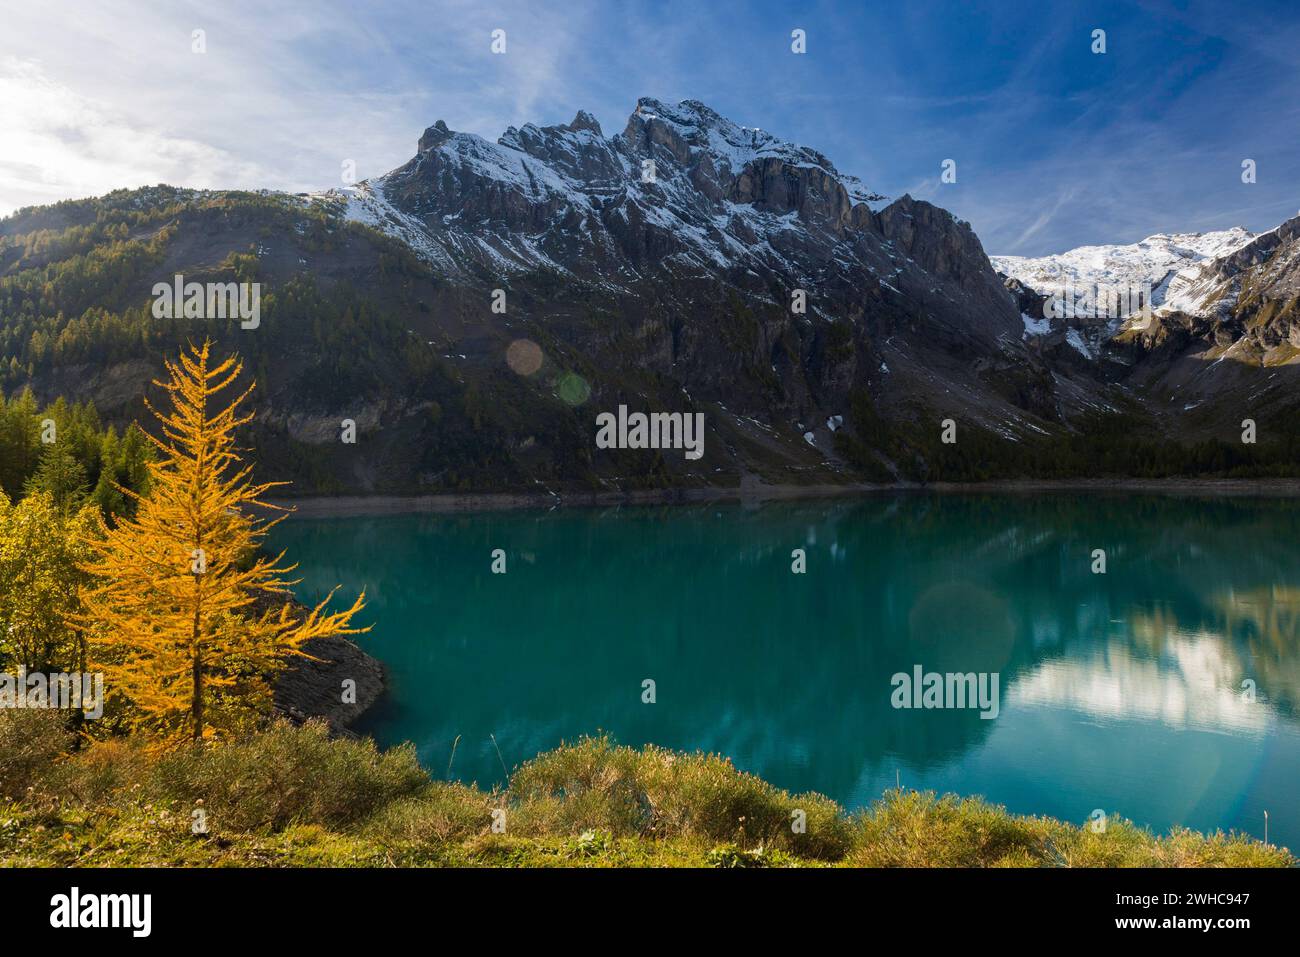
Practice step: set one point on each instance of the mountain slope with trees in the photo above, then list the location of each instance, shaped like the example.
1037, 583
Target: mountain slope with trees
471, 312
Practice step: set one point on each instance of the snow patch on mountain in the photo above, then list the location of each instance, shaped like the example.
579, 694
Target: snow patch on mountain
1075, 339
365, 204
1035, 326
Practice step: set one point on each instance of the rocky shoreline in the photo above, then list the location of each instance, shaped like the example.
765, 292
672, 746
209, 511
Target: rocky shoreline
314, 687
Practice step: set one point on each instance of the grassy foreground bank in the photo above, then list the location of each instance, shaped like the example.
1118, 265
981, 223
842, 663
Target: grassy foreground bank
294, 797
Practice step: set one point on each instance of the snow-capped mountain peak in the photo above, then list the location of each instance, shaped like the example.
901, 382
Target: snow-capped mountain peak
712, 193
1171, 264
687, 203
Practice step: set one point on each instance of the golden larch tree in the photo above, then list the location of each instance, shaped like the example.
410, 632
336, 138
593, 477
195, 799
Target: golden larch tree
190, 619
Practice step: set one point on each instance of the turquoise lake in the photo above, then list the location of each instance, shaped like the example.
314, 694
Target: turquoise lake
1164, 690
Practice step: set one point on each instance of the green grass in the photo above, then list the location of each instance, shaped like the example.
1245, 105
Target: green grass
295, 797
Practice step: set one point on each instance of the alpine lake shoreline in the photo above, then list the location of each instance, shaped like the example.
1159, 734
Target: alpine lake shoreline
307, 691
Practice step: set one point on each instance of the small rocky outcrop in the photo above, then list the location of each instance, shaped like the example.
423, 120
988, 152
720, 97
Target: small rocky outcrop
313, 687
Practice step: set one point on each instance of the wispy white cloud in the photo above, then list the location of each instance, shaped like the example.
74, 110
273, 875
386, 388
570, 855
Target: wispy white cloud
1043, 218
59, 143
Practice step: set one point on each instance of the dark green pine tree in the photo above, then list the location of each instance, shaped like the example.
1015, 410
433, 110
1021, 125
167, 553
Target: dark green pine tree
123, 464
110, 499
62, 476
20, 444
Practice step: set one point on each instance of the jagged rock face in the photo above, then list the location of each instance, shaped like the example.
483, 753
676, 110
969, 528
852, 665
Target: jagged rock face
1064, 342
947, 262
1227, 295
1030, 302
1262, 253
695, 233
683, 192
1262, 279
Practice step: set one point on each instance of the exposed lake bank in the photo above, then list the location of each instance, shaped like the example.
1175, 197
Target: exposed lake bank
320, 506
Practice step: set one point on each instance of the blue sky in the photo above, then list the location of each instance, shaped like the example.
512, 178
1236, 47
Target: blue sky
1055, 146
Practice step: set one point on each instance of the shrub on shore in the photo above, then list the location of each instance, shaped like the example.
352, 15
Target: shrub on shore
294, 796
654, 792
31, 743
289, 775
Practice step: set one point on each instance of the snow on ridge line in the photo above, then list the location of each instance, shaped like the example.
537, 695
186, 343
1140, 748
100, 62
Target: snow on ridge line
366, 203
704, 129
740, 145
535, 179
515, 162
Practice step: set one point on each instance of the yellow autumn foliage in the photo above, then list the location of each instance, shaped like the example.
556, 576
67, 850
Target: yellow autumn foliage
189, 620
